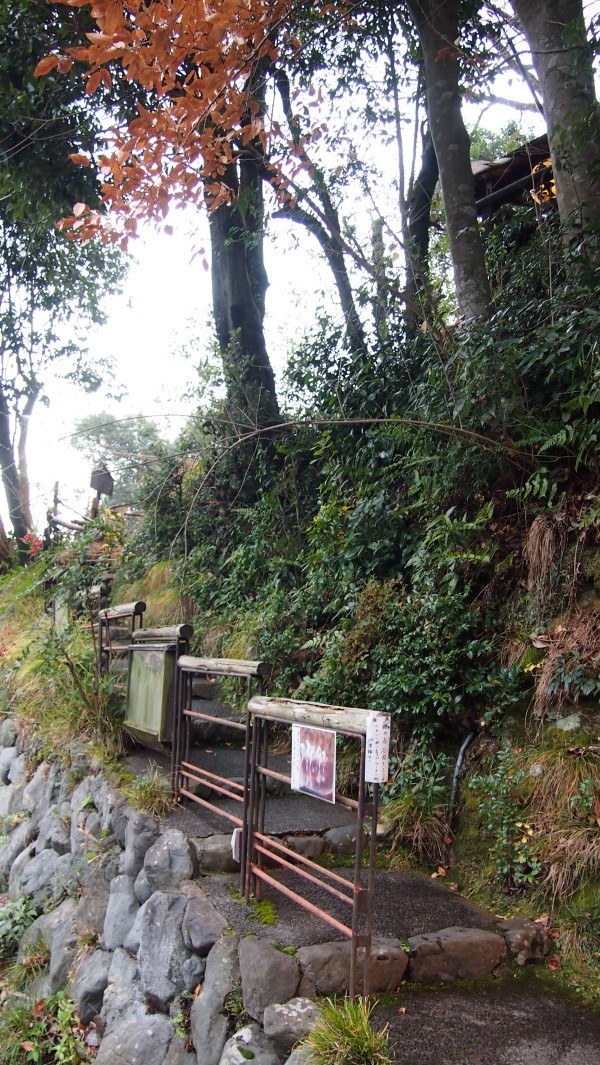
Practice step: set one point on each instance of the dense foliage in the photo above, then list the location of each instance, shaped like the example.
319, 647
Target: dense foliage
380, 562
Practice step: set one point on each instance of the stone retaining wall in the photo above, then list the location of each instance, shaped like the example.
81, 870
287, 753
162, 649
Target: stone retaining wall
135, 940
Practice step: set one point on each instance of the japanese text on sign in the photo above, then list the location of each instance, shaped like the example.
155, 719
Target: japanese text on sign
377, 748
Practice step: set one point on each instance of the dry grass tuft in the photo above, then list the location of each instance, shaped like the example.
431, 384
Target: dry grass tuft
422, 830
159, 590
571, 663
544, 549
563, 806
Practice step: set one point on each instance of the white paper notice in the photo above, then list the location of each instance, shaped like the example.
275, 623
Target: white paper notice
379, 727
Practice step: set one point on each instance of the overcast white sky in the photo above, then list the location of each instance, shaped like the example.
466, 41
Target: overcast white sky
166, 299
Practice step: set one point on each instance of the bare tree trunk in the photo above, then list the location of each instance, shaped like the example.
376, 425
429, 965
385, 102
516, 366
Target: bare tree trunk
23, 428
10, 479
326, 229
239, 285
334, 254
556, 35
437, 25
240, 282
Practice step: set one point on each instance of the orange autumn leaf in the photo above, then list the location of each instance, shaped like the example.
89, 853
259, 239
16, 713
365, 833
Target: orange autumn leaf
199, 63
45, 65
93, 82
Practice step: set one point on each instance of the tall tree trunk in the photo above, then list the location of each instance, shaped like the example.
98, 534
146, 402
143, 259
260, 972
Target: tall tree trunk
240, 282
556, 35
239, 285
10, 479
437, 25
5, 551
418, 226
23, 470
381, 305
419, 206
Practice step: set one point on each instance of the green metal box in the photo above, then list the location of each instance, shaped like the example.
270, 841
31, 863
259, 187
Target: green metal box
150, 691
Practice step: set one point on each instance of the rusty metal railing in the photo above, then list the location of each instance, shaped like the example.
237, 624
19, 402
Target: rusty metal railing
183, 771
257, 848
358, 894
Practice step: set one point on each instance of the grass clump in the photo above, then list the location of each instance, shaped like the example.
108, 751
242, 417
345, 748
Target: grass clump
150, 792
34, 962
343, 1035
415, 802
161, 591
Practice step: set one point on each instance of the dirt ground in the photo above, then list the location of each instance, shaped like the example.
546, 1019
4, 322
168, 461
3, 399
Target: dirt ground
515, 1020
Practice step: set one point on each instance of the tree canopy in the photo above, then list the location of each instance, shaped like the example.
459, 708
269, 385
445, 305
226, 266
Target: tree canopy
50, 290
128, 446
246, 87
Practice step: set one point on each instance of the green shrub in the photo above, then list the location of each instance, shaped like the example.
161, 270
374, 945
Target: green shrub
15, 918
150, 792
415, 801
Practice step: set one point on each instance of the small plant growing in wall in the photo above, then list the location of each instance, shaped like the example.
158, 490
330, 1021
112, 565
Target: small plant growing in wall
41, 1032
15, 918
181, 1019
234, 1009
34, 962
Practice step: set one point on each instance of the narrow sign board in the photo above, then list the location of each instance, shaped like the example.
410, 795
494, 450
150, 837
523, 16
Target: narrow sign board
378, 748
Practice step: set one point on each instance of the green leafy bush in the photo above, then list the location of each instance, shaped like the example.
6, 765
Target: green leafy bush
415, 801
514, 846
15, 918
